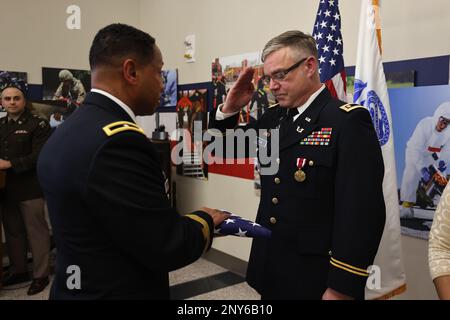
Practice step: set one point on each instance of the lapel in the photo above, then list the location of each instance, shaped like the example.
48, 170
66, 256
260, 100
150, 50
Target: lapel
271, 122
103, 102
306, 122
11, 127
14, 126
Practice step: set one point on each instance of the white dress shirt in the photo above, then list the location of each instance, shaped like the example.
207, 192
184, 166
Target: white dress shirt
126, 108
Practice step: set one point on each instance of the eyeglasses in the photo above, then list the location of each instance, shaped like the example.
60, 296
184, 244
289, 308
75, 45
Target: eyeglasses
280, 75
444, 120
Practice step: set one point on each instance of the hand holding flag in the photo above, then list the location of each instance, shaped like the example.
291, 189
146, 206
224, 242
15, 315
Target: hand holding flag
238, 226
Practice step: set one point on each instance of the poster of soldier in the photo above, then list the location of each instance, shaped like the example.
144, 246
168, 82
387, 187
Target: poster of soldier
224, 73
420, 120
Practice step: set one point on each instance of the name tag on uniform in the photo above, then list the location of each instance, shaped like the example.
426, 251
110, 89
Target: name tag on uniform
261, 142
166, 184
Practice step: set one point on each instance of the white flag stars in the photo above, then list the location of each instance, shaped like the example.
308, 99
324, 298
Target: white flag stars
240, 233
327, 33
238, 226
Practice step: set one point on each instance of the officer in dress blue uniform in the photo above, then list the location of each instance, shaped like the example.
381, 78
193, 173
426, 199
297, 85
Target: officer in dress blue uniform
325, 204
115, 232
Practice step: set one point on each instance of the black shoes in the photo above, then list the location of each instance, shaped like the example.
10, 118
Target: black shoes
37, 285
16, 278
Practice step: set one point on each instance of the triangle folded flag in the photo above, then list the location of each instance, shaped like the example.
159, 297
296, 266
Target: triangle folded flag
238, 226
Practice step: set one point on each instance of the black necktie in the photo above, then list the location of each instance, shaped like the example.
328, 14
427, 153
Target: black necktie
291, 113
286, 123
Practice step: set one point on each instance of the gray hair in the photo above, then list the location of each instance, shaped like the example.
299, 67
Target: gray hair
296, 40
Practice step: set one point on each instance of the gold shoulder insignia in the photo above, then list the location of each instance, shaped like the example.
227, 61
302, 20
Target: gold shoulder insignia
274, 105
116, 127
350, 107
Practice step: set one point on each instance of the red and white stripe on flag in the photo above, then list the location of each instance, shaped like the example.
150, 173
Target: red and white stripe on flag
330, 48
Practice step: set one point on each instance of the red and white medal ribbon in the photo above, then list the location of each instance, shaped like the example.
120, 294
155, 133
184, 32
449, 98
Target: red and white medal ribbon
301, 162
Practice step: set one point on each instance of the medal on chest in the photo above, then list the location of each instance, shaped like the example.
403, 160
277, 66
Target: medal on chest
300, 175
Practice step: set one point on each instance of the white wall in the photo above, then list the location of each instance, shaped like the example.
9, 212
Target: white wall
34, 33
411, 29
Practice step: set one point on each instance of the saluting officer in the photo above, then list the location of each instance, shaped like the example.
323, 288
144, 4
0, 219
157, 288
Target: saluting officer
325, 204
22, 136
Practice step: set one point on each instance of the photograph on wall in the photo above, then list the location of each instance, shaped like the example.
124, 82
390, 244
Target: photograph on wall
192, 114
14, 76
67, 89
224, 73
396, 79
49, 110
168, 100
420, 118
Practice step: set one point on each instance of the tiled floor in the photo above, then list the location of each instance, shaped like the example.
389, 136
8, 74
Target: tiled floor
201, 280
240, 291
19, 292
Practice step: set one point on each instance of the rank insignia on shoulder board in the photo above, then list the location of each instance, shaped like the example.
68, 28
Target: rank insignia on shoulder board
350, 107
119, 126
318, 138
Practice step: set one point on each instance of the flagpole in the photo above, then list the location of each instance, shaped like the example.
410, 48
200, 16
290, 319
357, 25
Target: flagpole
376, 6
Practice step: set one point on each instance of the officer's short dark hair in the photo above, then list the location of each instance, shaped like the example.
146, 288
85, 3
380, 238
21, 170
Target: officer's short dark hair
117, 41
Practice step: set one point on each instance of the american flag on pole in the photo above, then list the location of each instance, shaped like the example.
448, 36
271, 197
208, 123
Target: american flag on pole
327, 32
371, 92
238, 226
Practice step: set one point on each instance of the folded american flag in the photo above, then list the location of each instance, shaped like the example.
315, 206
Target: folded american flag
237, 226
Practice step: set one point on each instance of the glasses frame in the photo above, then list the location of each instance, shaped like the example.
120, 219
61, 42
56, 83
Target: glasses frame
281, 75
444, 120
